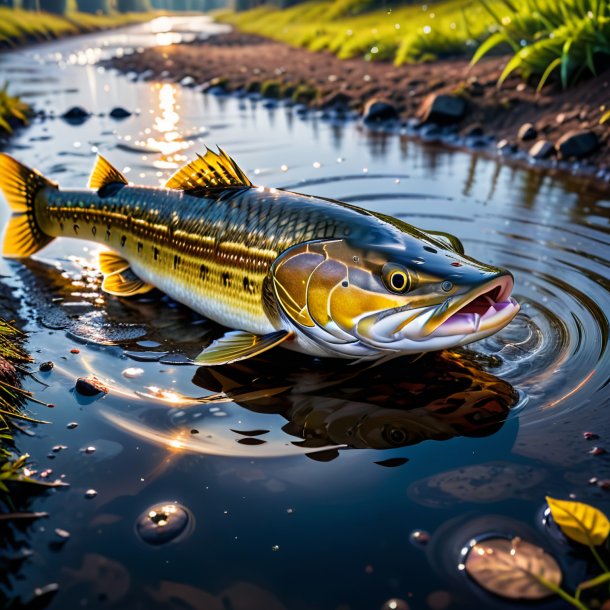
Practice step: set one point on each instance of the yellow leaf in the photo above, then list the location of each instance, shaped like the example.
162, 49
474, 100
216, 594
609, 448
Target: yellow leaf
580, 522
513, 568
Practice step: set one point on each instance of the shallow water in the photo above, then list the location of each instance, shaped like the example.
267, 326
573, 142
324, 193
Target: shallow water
304, 480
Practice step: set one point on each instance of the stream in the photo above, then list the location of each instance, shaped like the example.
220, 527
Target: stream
306, 484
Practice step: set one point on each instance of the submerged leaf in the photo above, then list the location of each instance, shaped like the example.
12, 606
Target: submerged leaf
580, 522
512, 568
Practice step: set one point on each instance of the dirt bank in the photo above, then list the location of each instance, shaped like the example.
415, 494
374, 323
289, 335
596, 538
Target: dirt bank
238, 61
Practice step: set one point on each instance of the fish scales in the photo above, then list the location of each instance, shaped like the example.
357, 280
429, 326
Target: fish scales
211, 251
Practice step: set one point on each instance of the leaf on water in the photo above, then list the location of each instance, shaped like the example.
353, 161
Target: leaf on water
512, 568
580, 522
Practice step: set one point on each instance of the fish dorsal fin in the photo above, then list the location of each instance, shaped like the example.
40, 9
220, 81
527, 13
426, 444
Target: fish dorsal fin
210, 171
103, 174
125, 284
239, 345
111, 262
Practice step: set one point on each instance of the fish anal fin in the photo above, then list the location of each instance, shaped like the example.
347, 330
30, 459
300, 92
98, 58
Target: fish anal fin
239, 345
103, 174
212, 170
111, 262
125, 284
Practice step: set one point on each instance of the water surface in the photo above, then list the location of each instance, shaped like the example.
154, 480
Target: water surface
304, 478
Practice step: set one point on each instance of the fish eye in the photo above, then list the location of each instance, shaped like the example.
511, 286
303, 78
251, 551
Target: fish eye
396, 278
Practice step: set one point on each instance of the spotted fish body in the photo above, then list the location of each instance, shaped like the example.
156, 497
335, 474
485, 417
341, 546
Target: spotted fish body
319, 276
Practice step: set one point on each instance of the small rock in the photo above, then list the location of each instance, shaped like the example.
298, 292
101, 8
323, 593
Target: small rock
521, 87
543, 149
194, 431
505, 147
590, 436
443, 109
597, 451
527, 132
90, 493
45, 367
72, 425
577, 144
119, 113
379, 111
75, 350
90, 386
561, 118
58, 448
75, 115
593, 481
188, 81
63, 534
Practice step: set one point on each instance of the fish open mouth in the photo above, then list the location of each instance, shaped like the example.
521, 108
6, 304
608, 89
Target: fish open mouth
488, 308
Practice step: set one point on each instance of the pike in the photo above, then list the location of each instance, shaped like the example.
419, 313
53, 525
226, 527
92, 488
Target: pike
315, 275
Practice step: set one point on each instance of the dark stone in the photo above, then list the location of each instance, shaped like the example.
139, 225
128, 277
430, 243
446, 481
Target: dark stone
475, 88
45, 367
119, 113
75, 115
379, 111
543, 149
505, 147
527, 132
337, 101
577, 144
90, 386
474, 131
443, 109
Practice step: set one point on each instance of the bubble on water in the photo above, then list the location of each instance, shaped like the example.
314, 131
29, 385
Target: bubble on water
164, 522
90, 493
284, 168
419, 538
133, 371
317, 164
395, 604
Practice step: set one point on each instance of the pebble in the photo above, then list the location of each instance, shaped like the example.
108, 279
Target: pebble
597, 451
419, 537
88, 450
45, 367
132, 372
590, 436
90, 386
542, 149
63, 534
72, 425
604, 484
74, 350
58, 448
379, 111
527, 132
90, 493
577, 144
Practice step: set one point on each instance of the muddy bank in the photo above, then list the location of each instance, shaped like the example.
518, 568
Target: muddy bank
438, 99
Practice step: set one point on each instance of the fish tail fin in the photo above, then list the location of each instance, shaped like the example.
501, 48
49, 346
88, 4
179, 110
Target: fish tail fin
20, 185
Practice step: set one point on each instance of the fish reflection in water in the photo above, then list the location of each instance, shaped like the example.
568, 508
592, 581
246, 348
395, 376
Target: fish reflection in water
392, 405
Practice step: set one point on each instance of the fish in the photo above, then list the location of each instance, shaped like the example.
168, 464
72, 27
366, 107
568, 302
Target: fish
274, 267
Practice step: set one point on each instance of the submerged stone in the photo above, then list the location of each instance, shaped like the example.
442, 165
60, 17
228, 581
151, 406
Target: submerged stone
379, 111
577, 144
90, 386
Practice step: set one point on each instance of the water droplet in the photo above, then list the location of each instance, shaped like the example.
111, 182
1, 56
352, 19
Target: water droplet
132, 371
90, 493
419, 537
164, 522
395, 604
317, 164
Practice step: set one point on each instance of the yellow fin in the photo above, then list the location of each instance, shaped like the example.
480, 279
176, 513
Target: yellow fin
104, 173
211, 170
239, 345
125, 284
111, 262
21, 185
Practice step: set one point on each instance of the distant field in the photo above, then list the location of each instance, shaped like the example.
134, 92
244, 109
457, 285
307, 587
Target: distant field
403, 34
18, 26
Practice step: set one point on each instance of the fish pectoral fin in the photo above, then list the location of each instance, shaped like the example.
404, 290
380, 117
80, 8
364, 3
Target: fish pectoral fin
125, 284
111, 262
212, 170
103, 174
239, 345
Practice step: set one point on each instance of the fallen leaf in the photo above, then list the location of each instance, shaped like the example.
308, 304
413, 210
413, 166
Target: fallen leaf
580, 522
512, 568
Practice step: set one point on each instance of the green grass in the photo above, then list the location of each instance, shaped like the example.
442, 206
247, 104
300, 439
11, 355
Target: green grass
18, 26
569, 38
402, 34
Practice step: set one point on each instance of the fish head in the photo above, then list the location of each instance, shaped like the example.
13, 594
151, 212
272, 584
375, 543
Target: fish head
419, 294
